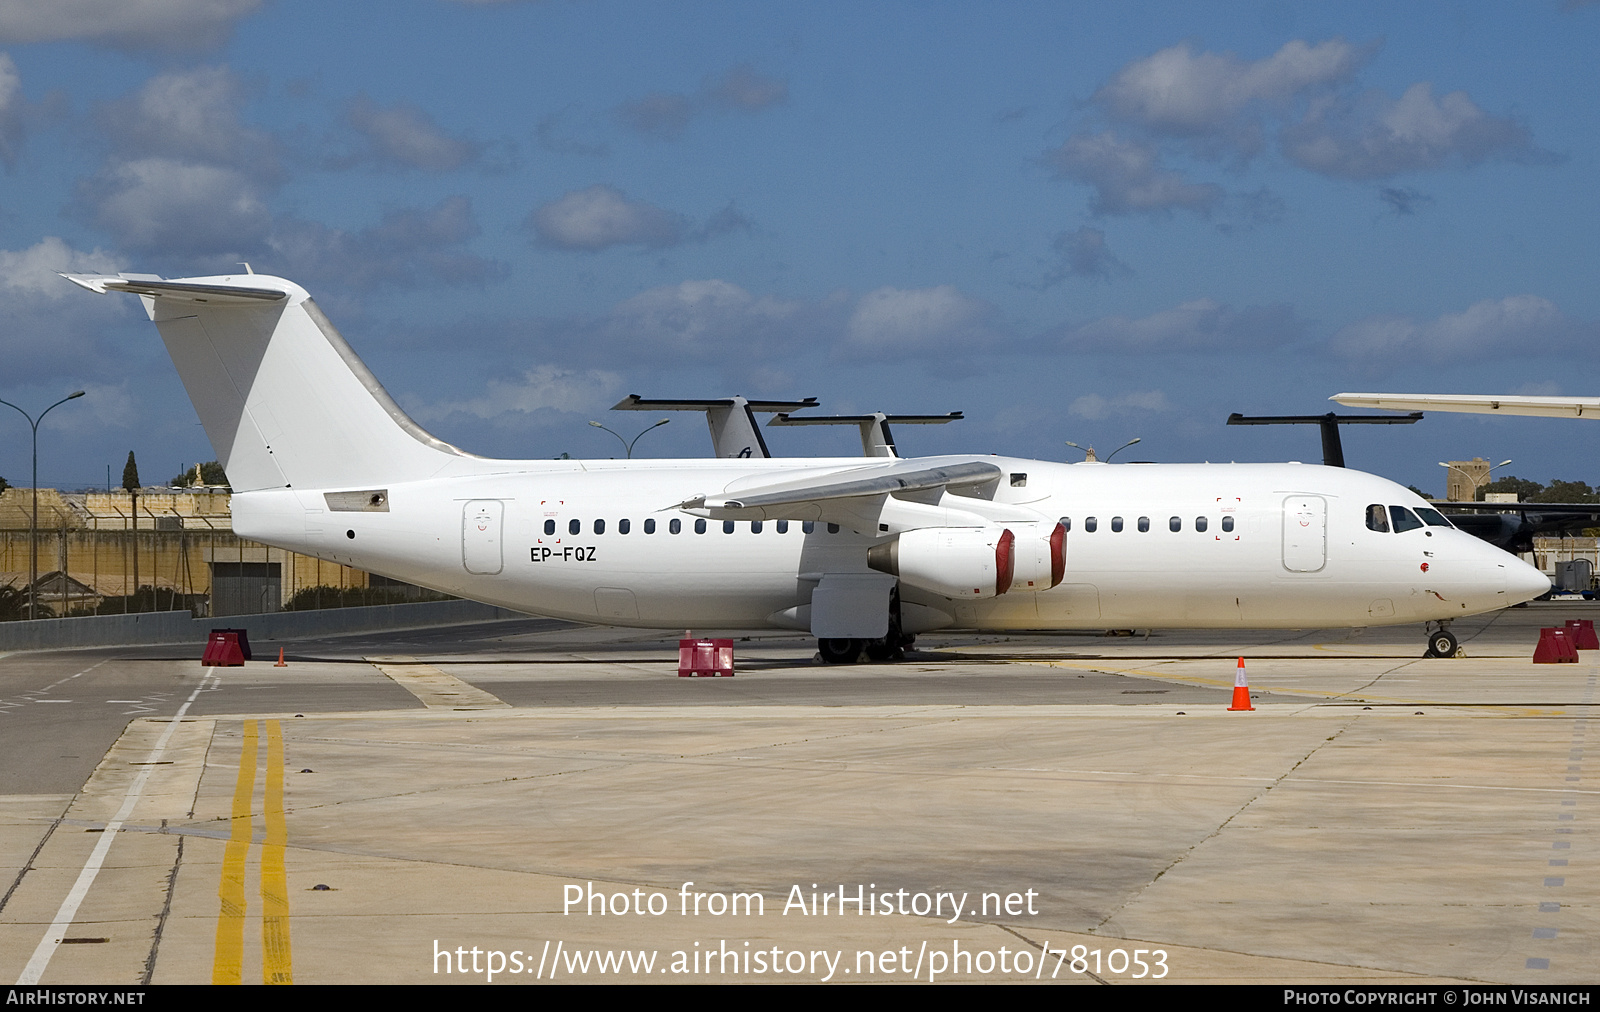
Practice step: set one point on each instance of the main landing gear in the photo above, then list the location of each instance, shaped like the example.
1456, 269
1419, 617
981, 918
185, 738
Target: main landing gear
1442, 642
842, 651
892, 647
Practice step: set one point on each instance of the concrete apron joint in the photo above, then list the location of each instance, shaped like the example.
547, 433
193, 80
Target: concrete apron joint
435, 689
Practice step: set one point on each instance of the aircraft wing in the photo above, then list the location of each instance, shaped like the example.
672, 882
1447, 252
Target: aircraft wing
860, 498
1482, 404
1512, 526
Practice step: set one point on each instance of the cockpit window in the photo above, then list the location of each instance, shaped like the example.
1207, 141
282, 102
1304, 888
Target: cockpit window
1433, 518
1377, 518
1404, 519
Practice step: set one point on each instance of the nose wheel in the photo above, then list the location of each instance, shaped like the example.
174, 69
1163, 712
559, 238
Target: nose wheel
1442, 643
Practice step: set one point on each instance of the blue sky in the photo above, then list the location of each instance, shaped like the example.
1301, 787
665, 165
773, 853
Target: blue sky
1070, 221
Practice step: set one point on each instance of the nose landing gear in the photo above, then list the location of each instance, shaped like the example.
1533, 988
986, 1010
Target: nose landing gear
1442, 642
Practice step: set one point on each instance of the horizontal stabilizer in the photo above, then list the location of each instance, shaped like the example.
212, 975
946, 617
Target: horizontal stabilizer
183, 291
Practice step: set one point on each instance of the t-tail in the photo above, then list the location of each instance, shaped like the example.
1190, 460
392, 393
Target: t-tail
284, 400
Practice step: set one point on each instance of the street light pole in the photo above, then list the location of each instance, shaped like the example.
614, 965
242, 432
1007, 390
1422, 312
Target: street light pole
33, 521
627, 445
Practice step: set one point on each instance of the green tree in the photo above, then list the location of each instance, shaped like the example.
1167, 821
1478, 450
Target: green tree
1525, 490
211, 473
1566, 491
4, 484
130, 475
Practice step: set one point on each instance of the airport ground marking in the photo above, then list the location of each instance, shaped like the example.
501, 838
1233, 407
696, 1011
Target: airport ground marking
276, 964
227, 964
68, 910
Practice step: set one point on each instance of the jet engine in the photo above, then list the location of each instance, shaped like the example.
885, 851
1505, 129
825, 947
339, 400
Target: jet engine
974, 563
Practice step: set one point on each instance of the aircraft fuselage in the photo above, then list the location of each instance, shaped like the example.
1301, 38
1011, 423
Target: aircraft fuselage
1282, 545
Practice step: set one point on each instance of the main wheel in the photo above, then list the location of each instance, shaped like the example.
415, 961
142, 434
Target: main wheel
1442, 644
839, 651
886, 649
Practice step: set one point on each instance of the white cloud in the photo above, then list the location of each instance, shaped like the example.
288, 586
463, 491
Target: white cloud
124, 24
50, 329
180, 207
701, 318
11, 109
1198, 325
600, 216
543, 388
191, 115
32, 272
1487, 329
408, 246
405, 136
1098, 406
1378, 136
1127, 176
888, 321
1182, 92
666, 114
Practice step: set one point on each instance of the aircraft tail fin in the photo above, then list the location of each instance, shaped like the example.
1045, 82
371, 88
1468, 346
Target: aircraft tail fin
284, 400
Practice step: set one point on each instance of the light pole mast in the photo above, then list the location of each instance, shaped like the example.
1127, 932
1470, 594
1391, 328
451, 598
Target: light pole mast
33, 521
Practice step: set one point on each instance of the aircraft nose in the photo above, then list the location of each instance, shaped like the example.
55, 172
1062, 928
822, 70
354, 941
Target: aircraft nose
1524, 583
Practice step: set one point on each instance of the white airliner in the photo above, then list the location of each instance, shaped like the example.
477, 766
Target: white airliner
863, 552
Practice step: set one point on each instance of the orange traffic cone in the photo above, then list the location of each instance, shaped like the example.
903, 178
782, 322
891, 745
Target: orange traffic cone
1241, 690
280, 663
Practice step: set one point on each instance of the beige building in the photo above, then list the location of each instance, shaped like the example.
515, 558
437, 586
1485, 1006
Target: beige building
1465, 477
183, 543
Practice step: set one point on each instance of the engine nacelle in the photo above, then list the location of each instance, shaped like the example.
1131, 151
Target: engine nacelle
974, 563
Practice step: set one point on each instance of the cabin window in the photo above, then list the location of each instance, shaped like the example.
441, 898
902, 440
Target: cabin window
674, 526
1404, 519
1090, 524
1433, 518
649, 526
727, 526
1144, 525
1227, 524
783, 527
575, 527
1175, 524
833, 528
1066, 523
1019, 480
599, 526
549, 526
1116, 525
623, 526
807, 526
1377, 518
699, 526
755, 527
1200, 524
